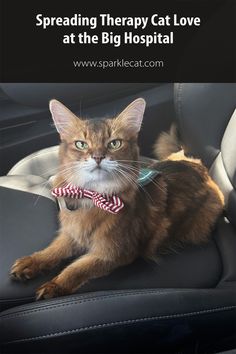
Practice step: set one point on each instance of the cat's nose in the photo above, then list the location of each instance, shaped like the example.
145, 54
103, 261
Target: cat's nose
98, 158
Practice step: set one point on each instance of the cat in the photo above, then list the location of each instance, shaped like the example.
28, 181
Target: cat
180, 205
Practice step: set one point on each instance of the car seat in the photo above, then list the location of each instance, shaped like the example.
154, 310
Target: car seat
185, 303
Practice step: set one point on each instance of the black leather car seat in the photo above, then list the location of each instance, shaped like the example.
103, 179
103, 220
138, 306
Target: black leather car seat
186, 304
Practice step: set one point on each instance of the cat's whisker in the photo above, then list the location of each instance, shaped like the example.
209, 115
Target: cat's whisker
65, 172
117, 179
56, 169
126, 177
136, 161
44, 185
133, 180
155, 182
132, 168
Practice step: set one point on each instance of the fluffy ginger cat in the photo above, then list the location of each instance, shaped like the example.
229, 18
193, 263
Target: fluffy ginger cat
110, 218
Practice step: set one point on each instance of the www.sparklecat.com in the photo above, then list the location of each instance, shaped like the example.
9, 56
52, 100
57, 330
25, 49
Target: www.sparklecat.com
118, 63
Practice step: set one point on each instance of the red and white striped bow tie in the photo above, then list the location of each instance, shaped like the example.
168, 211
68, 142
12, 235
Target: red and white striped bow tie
112, 204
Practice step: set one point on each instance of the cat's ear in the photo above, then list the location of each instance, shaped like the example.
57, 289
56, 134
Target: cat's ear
132, 116
62, 116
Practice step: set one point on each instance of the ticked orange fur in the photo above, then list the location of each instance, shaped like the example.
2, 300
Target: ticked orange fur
180, 206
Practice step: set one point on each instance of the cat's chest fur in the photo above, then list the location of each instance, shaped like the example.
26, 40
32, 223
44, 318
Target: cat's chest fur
80, 224
79, 204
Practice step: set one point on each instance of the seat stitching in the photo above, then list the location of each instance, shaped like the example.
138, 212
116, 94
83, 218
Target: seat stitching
82, 296
84, 300
93, 299
77, 297
110, 324
114, 293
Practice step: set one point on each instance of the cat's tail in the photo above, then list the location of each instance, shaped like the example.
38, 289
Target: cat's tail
168, 146
167, 143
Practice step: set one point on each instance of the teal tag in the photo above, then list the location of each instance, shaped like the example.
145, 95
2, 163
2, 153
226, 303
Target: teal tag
146, 175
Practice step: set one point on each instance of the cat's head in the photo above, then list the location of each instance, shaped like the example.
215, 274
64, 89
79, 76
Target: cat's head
100, 154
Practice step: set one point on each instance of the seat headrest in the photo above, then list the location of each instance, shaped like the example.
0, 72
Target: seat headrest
207, 121
203, 112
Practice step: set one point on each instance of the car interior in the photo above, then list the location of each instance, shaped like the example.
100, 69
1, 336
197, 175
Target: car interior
185, 303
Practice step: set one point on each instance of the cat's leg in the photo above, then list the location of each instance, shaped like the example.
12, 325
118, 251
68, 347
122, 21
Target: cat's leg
28, 267
157, 241
76, 274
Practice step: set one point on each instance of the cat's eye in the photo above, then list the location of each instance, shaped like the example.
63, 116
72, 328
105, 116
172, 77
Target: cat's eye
81, 145
114, 144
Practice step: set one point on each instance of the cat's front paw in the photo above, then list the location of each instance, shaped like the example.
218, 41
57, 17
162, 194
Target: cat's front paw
49, 290
24, 268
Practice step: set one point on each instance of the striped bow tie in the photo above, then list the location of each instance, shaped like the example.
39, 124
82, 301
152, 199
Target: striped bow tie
112, 204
